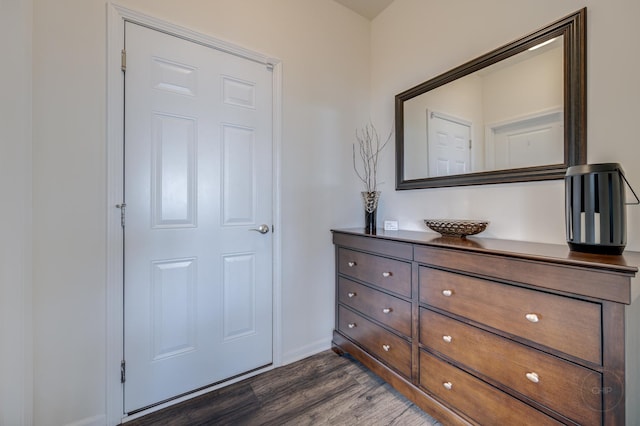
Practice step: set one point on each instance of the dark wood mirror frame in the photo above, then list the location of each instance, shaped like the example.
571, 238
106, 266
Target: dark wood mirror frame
573, 28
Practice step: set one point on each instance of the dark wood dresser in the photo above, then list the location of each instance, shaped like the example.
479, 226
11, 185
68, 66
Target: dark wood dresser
492, 332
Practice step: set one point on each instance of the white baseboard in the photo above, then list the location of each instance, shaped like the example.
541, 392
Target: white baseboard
306, 351
99, 420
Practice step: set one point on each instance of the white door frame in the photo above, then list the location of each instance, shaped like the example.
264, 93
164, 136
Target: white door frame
116, 17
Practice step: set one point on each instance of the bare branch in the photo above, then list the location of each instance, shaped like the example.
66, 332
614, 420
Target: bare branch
369, 148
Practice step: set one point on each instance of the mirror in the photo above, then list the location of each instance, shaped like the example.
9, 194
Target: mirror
516, 114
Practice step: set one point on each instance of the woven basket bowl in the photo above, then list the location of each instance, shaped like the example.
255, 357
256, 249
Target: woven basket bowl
456, 228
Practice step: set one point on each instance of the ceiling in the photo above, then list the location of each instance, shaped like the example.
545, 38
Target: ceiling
367, 8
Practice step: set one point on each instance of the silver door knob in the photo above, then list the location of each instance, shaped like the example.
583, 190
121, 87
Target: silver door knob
263, 229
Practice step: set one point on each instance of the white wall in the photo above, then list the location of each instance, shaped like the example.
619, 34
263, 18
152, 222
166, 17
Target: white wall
15, 216
325, 94
415, 40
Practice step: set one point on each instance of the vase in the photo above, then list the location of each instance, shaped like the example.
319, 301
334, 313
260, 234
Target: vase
370, 208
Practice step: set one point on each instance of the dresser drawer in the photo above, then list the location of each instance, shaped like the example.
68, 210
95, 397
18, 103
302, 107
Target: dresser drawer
386, 346
568, 325
390, 274
384, 247
389, 310
560, 385
573, 279
478, 400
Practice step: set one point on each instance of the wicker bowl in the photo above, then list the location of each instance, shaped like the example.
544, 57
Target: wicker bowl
456, 228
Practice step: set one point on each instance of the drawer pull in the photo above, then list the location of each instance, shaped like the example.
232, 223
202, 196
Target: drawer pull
532, 317
386, 274
447, 293
447, 339
351, 325
533, 377
351, 294
386, 348
352, 264
386, 311
447, 385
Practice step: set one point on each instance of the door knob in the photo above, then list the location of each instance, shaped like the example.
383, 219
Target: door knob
263, 229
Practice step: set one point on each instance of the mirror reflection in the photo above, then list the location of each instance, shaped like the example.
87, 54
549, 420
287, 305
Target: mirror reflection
515, 114
508, 115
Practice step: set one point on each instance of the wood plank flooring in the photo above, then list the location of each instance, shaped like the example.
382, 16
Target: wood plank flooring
324, 389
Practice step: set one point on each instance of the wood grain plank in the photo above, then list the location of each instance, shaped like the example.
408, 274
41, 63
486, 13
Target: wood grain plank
324, 389
230, 405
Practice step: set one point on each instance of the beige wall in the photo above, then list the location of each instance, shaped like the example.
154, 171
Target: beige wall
325, 92
414, 40
543, 74
337, 68
15, 213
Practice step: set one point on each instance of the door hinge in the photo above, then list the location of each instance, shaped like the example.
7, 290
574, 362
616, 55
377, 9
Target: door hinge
123, 209
469, 143
123, 371
123, 60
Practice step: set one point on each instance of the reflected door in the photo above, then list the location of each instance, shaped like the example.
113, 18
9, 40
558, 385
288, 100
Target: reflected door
527, 142
198, 171
449, 145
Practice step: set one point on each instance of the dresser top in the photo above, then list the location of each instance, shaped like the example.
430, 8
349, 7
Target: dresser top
627, 263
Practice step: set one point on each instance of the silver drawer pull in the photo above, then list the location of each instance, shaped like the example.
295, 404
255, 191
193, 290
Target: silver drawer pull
386, 274
386, 348
386, 310
351, 325
351, 294
352, 264
447, 385
532, 317
533, 377
447, 339
447, 293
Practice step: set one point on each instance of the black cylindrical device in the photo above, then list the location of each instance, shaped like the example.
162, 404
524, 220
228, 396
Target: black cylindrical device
595, 208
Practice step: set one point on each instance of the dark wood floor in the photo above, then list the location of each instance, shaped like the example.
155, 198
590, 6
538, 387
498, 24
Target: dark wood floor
324, 389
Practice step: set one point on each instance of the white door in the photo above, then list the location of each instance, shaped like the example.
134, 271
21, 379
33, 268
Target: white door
449, 145
198, 179
527, 142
